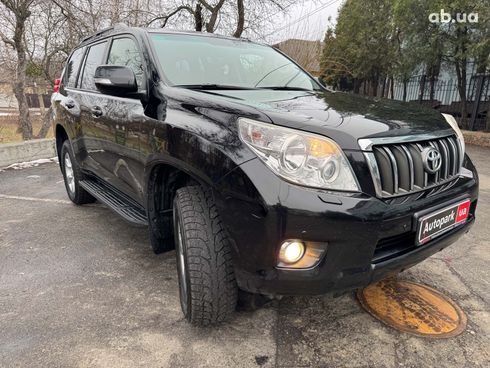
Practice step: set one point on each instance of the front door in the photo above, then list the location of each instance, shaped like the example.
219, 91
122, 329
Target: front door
111, 123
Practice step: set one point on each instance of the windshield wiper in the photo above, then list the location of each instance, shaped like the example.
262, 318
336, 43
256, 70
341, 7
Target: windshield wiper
286, 88
212, 86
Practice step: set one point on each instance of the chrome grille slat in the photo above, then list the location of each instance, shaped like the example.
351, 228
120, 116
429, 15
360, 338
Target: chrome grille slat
411, 174
394, 168
457, 162
410, 165
455, 158
426, 176
401, 169
438, 173
445, 151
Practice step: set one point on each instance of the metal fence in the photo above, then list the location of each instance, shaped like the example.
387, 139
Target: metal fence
444, 96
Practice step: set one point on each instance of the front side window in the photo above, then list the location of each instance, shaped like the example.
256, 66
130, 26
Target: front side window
199, 60
124, 51
72, 68
92, 61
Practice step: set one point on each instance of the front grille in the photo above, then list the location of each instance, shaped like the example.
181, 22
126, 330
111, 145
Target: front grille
399, 169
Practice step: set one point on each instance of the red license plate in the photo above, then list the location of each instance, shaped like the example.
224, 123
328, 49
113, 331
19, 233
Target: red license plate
441, 221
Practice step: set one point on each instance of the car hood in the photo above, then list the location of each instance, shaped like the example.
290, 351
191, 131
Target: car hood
341, 116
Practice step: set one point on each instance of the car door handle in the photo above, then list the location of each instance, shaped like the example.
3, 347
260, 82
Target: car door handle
96, 111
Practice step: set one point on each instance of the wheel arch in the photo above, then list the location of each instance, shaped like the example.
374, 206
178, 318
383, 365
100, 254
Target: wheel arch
163, 181
60, 136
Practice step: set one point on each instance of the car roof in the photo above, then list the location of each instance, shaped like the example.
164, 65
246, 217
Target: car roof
193, 33
122, 28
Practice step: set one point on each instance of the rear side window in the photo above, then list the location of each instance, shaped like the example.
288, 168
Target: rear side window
92, 61
72, 68
124, 51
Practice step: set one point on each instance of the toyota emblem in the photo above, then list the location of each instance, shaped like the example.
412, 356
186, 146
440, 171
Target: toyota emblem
432, 160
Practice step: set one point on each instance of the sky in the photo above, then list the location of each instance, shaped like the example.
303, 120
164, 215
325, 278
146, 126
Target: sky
308, 20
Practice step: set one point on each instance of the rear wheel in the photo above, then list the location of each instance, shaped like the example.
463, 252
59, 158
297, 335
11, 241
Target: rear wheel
208, 290
72, 176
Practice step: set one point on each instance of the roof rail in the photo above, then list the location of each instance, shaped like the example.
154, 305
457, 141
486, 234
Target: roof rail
115, 27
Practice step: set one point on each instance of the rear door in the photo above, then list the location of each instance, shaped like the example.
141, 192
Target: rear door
66, 103
94, 132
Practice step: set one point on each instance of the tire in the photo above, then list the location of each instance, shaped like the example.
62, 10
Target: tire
208, 290
72, 176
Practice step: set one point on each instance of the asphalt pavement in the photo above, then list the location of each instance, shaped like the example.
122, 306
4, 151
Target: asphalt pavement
81, 288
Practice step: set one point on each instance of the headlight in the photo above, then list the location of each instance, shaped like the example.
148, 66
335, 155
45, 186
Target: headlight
454, 124
299, 157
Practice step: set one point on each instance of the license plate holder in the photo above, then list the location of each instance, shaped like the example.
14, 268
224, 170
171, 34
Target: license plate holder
441, 221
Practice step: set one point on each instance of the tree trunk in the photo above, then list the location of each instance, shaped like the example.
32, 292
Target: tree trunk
20, 77
211, 24
405, 83
374, 87
432, 81
241, 19
356, 86
392, 88
460, 64
422, 88
212, 21
433, 75
461, 74
198, 17
46, 124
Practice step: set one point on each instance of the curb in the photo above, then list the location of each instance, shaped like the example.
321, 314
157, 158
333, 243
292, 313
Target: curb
11, 153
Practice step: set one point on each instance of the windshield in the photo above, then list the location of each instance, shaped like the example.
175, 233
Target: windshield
188, 60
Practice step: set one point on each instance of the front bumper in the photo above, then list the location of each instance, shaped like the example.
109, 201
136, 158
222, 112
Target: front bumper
366, 238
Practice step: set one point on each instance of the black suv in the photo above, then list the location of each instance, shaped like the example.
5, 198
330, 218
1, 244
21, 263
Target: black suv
261, 178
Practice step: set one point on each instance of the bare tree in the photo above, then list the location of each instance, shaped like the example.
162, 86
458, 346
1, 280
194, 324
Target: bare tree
195, 12
235, 17
19, 9
38, 35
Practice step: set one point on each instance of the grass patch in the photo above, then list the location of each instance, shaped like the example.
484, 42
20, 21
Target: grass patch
9, 126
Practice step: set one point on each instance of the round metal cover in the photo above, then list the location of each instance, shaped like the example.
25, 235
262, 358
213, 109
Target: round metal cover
413, 308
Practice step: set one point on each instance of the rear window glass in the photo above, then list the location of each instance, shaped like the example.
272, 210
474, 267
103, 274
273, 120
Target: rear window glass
72, 67
93, 60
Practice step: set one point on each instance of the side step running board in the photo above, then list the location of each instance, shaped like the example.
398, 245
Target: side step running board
120, 203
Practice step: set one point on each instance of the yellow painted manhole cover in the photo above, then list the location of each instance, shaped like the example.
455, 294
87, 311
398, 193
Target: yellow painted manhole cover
413, 308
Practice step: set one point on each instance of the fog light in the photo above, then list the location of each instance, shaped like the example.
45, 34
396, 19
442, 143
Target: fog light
291, 252
299, 254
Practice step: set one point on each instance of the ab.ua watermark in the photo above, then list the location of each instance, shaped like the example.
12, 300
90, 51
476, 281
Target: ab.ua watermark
444, 17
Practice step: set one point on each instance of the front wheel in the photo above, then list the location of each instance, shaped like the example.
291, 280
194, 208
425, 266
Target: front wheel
208, 290
72, 176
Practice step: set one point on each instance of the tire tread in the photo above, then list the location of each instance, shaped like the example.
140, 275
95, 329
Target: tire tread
213, 290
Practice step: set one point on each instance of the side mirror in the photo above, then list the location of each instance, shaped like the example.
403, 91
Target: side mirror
115, 80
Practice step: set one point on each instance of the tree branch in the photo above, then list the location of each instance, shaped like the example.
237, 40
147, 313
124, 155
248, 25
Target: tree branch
241, 19
7, 40
165, 18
